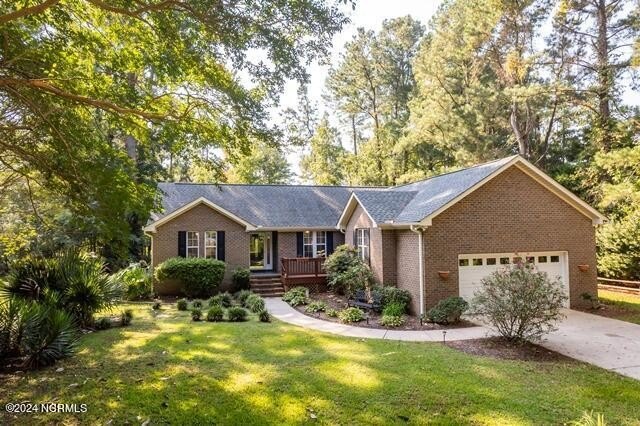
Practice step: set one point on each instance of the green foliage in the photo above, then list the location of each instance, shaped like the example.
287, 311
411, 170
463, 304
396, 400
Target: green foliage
157, 305
103, 323
346, 272
199, 277
196, 314
520, 303
241, 279
323, 165
296, 296
394, 309
223, 299
237, 314
254, 303
448, 311
264, 164
332, 313
197, 304
590, 419
393, 295
126, 316
349, 315
264, 316
316, 306
183, 304
215, 313
392, 320
138, 282
242, 295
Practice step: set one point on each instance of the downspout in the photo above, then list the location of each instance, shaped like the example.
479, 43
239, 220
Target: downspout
418, 230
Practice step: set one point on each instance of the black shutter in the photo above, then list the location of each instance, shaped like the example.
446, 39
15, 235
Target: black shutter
329, 243
354, 243
274, 246
299, 244
182, 243
220, 245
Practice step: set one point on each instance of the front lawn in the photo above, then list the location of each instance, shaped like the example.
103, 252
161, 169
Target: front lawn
626, 307
167, 369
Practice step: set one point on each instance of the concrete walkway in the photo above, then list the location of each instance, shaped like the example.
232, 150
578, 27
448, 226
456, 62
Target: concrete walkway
607, 343
286, 313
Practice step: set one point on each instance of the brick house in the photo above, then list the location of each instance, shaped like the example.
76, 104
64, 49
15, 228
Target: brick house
436, 238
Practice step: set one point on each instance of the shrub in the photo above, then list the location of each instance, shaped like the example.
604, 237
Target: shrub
520, 303
390, 294
447, 311
156, 305
236, 314
346, 272
215, 313
199, 277
316, 306
196, 304
351, 315
242, 295
254, 303
137, 281
103, 323
223, 299
394, 309
296, 296
392, 320
182, 305
196, 314
240, 279
264, 316
126, 316
331, 313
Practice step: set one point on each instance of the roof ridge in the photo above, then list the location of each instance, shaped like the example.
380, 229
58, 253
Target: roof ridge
276, 184
455, 171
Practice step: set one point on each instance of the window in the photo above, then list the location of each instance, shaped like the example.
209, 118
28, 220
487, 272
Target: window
211, 244
193, 244
530, 259
504, 260
542, 259
463, 262
491, 261
362, 243
477, 262
314, 244
517, 260
555, 259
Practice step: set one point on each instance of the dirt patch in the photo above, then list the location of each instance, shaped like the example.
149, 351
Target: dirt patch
339, 302
501, 348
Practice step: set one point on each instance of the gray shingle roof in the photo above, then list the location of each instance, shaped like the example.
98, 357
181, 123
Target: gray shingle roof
433, 193
305, 206
264, 205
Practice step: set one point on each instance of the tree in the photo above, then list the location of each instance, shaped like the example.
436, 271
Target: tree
323, 164
264, 164
79, 80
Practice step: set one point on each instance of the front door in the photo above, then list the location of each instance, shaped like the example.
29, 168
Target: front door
261, 250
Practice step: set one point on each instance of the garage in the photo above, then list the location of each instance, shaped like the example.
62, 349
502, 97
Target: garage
473, 267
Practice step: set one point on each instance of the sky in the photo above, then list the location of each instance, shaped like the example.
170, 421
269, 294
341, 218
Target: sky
368, 14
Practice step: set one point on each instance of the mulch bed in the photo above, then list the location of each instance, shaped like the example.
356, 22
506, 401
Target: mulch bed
501, 348
339, 302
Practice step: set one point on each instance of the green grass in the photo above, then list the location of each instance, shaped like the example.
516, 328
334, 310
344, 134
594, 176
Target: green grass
170, 370
628, 304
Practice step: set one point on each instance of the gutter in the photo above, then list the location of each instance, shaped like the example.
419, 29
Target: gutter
418, 230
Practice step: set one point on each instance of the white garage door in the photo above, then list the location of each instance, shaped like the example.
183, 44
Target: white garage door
473, 267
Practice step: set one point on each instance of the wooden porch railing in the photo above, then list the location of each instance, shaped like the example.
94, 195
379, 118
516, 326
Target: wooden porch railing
302, 270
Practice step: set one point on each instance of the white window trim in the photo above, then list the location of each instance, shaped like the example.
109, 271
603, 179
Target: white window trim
197, 246
359, 244
314, 242
214, 246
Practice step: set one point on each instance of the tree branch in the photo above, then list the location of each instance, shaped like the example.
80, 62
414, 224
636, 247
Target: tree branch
21, 13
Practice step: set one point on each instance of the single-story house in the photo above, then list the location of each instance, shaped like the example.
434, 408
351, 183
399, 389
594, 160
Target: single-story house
436, 237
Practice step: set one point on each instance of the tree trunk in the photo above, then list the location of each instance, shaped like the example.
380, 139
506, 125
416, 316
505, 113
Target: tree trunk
605, 78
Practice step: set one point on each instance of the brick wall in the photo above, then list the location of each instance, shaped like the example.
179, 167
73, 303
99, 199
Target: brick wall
360, 219
200, 219
511, 213
407, 269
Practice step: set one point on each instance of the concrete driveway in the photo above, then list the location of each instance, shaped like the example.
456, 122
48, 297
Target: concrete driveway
605, 342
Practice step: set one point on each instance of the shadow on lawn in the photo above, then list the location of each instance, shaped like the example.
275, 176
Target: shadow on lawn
171, 370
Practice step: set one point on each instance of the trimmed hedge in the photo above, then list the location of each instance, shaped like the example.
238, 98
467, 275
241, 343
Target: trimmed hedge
199, 277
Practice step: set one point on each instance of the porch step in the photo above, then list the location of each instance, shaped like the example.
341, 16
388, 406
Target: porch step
267, 285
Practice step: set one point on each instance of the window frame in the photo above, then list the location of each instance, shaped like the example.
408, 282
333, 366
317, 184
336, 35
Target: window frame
208, 246
363, 248
189, 246
310, 244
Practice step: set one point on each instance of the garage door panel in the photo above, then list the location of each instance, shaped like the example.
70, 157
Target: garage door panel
472, 268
